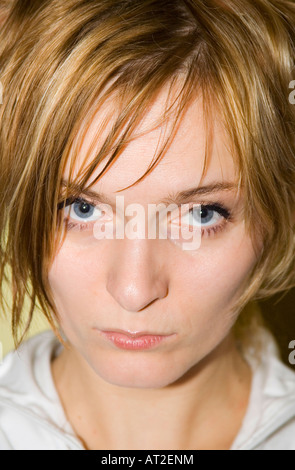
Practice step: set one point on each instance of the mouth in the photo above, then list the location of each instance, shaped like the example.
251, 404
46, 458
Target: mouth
134, 340
134, 334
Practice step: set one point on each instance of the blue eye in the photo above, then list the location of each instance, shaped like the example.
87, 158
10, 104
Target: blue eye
209, 218
83, 209
204, 215
80, 209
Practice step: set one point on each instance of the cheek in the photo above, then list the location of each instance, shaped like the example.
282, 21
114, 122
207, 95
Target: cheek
207, 285
211, 279
232, 264
73, 276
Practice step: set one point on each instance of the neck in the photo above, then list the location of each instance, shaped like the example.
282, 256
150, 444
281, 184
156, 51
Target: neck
203, 409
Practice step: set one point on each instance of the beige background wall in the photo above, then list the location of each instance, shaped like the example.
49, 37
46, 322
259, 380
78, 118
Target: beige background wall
6, 341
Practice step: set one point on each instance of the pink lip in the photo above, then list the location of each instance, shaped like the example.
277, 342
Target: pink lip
132, 341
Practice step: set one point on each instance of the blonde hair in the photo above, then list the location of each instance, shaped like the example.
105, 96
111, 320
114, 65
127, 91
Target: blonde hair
60, 60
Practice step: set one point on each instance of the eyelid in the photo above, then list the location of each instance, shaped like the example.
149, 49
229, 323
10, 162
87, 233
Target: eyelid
70, 200
215, 206
100, 207
65, 203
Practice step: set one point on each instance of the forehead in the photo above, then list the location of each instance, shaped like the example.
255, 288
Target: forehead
182, 164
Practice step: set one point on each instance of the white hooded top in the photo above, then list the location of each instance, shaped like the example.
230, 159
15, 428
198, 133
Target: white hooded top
32, 417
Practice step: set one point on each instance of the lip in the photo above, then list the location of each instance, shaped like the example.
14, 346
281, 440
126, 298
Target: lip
133, 334
134, 340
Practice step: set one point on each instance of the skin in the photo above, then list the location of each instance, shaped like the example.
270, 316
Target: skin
193, 391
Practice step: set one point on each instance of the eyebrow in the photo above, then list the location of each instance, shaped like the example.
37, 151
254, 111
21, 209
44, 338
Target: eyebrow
178, 197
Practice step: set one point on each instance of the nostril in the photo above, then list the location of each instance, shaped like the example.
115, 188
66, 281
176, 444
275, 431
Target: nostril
150, 303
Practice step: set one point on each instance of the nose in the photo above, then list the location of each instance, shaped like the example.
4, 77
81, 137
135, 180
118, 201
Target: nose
137, 276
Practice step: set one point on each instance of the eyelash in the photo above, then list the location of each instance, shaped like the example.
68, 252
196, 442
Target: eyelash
205, 232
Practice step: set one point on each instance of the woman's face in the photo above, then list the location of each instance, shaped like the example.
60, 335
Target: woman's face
155, 285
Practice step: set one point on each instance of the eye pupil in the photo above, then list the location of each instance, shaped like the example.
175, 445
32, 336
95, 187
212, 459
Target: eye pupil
203, 212
84, 207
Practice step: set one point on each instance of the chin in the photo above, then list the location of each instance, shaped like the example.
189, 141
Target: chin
144, 373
